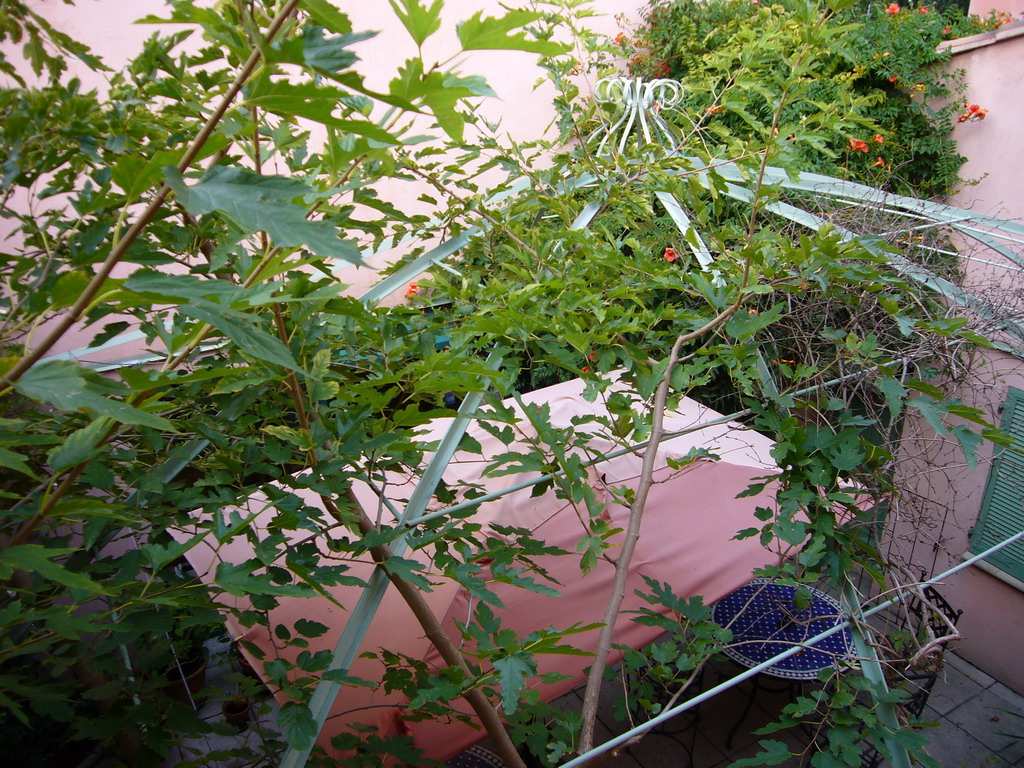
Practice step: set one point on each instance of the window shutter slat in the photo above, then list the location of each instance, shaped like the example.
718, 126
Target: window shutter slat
1002, 508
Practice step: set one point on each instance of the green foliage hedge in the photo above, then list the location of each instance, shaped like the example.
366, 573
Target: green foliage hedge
887, 58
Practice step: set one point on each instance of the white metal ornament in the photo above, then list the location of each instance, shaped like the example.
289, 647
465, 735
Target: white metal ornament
641, 102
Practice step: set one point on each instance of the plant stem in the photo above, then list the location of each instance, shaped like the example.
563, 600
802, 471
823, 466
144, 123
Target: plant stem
434, 632
596, 676
636, 510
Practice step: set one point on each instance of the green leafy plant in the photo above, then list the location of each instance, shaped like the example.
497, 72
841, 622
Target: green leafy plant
265, 393
887, 67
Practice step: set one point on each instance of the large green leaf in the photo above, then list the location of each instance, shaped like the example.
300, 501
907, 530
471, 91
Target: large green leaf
298, 725
68, 288
330, 54
772, 753
241, 580
500, 33
512, 673
409, 570
441, 93
134, 173
180, 287
247, 336
313, 102
70, 387
263, 204
33, 558
324, 13
15, 461
419, 20
80, 445
326, 55
746, 322
894, 393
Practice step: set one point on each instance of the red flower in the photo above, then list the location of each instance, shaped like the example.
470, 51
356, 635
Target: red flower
411, 291
879, 139
893, 79
893, 9
945, 30
585, 369
670, 254
856, 145
923, 9
879, 163
621, 38
973, 113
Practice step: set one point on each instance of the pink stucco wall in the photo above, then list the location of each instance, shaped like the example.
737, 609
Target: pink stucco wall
984, 7
935, 537
992, 62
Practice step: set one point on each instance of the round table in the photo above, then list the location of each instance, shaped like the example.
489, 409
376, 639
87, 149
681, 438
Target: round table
765, 621
476, 756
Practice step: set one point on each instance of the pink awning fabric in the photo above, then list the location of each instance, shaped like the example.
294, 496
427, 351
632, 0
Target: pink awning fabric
687, 540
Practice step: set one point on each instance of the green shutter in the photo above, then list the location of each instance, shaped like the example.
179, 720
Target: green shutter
1002, 508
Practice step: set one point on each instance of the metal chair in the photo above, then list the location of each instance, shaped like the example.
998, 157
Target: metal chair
928, 616
935, 604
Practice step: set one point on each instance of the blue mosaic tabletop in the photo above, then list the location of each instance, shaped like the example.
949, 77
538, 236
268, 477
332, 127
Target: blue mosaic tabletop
765, 621
476, 757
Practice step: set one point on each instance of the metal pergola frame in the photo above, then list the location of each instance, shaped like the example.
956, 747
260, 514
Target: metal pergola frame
964, 221
997, 234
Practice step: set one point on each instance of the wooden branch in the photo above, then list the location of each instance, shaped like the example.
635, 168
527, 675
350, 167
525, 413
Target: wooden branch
622, 562
434, 632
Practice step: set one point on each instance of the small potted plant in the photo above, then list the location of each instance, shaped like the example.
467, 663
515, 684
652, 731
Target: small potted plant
237, 710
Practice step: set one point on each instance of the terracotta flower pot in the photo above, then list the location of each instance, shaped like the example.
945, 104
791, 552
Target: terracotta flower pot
237, 711
185, 683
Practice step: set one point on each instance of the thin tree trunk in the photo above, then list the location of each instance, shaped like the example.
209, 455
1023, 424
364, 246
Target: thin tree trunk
432, 628
636, 511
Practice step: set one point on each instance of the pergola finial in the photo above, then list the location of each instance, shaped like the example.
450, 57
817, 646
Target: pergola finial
640, 103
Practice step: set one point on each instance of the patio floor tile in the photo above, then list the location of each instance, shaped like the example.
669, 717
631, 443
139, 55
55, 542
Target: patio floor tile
981, 678
954, 687
796, 746
661, 750
953, 747
985, 718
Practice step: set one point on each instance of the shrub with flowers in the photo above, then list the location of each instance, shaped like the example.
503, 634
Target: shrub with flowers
885, 71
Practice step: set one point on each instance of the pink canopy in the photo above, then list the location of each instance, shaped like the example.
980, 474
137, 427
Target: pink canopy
691, 517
